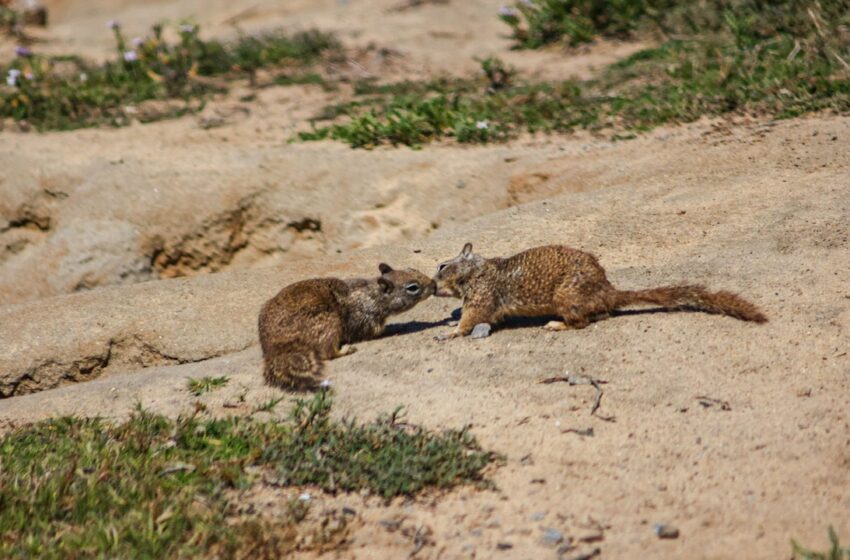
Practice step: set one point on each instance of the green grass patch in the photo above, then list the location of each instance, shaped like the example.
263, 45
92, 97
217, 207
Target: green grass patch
535, 23
205, 384
61, 93
779, 59
835, 552
152, 487
386, 457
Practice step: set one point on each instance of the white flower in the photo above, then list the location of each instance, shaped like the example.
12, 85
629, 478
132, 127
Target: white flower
482, 125
187, 28
131, 56
326, 383
84, 77
507, 11
305, 497
12, 77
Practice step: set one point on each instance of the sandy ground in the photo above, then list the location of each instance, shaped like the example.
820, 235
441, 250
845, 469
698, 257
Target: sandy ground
737, 434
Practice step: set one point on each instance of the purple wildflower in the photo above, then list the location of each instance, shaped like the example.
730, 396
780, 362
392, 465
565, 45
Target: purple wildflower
23, 52
113, 24
131, 56
138, 41
507, 11
187, 28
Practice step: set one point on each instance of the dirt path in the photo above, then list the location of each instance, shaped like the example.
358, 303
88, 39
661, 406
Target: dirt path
736, 434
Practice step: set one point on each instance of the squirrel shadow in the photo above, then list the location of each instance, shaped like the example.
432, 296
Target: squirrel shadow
530, 322
412, 327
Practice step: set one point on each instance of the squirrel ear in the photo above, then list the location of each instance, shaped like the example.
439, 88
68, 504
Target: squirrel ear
385, 284
384, 268
467, 250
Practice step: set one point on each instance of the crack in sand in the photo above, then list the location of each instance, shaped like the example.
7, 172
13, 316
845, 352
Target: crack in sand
119, 354
218, 240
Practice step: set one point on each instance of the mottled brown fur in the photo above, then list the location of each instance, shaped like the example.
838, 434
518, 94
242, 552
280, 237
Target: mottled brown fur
559, 280
310, 321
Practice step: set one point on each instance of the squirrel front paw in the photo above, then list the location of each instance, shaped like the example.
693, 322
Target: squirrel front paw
449, 336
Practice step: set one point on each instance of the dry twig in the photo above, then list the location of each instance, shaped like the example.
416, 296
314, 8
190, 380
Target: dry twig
574, 379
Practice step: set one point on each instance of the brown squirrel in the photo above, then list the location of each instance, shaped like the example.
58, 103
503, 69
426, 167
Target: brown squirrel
559, 280
315, 320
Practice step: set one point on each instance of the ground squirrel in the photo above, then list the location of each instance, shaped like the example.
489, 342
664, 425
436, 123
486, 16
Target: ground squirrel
559, 280
311, 320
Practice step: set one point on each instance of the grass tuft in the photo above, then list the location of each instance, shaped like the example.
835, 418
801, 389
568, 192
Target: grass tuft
268, 405
835, 551
206, 384
153, 487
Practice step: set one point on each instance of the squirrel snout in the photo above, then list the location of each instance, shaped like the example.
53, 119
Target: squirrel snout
432, 287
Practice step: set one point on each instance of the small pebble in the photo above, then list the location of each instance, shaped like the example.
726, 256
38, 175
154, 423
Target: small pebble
481, 330
665, 531
504, 546
553, 536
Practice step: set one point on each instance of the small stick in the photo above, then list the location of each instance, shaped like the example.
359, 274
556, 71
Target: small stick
573, 379
708, 401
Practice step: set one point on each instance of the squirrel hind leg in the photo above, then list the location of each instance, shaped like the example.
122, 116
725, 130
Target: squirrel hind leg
345, 350
292, 368
577, 306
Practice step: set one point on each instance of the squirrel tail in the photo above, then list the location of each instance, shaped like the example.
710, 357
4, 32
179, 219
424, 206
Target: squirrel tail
694, 297
291, 365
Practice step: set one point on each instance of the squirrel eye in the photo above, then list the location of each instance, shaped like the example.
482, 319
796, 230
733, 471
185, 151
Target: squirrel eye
442, 267
412, 289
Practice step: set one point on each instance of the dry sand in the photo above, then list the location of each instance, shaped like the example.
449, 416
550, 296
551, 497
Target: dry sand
737, 434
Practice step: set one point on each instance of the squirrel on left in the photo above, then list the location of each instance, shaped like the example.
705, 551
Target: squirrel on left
315, 320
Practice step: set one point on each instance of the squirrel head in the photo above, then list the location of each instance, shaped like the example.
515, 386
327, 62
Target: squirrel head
402, 289
453, 274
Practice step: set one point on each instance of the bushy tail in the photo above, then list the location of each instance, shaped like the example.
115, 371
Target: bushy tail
291, 365
694, 297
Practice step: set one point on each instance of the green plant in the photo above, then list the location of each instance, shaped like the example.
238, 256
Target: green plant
152, 487
538, 22
835, 551
387, 457
269, 405
206, 384
759, 60
63, 93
